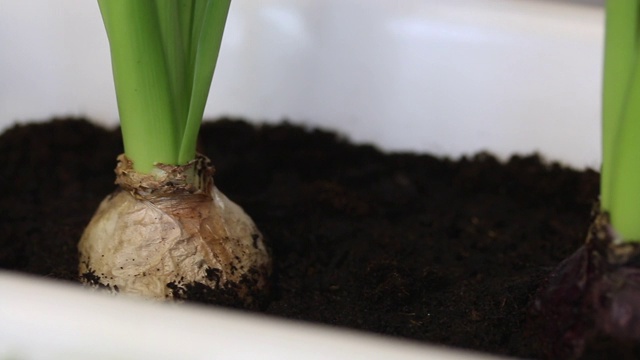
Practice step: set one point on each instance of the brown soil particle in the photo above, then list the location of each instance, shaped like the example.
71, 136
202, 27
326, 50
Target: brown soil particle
408, 245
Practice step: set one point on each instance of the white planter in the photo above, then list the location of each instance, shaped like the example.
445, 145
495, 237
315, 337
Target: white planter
91, 326
448, 77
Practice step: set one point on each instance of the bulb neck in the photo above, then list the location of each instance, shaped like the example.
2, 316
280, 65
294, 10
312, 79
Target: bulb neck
194, 177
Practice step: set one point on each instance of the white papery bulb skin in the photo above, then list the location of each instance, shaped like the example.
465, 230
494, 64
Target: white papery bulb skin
172, 234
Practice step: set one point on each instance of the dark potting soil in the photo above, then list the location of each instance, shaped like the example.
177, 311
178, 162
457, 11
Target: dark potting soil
408, 245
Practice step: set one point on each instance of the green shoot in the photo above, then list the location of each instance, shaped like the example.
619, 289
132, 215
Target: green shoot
163, 54
620, 179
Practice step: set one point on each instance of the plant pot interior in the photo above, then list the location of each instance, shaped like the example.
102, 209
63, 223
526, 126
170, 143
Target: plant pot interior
407, 245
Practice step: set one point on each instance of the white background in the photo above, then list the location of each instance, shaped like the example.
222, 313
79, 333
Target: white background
448, 77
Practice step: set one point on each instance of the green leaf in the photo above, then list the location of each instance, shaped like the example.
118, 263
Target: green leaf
169, 19
620, 174
205, 48
621, 48
624, 205
163, 55
142, 86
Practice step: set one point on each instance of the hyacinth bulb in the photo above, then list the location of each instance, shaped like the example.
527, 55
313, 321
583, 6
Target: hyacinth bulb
172, 234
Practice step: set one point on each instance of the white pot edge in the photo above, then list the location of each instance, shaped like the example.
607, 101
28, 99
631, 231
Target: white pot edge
47, 319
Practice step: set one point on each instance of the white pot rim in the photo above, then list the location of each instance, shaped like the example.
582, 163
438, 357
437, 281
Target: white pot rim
47, 319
